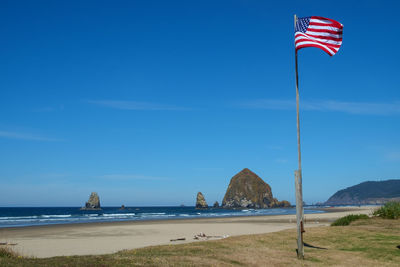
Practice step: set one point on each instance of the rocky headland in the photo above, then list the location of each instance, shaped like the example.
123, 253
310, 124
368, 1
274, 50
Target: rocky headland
367, 193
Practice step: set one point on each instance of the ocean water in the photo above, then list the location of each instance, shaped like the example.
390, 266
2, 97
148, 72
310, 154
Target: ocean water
18, 217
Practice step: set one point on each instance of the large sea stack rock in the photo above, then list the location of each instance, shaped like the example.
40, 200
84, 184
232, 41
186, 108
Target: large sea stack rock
93, 202
201, 202
247, 190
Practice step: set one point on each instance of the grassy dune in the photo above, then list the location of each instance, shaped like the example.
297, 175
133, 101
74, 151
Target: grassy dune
366, 242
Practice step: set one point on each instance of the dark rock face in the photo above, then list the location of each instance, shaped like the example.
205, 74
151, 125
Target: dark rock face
93, 202
201, 202
283, 204
216, 204
247, 190
367, 193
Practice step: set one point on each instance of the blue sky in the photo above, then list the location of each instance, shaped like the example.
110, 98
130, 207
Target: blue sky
149, 102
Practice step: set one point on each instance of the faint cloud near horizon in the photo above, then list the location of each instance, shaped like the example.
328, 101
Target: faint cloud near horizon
274, 147
27, 136
281, 161
208, 169
126, 177
361, 108
133, 105
393, 156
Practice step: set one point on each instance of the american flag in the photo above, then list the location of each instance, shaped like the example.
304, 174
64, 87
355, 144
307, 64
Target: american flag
319, 32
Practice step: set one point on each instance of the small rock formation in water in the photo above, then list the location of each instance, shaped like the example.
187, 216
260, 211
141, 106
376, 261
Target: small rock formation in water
247, 190
201, 202
93, 202
283, 204
122, 207
216, 204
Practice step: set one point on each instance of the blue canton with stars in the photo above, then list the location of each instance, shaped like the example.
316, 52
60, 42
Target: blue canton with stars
302, 24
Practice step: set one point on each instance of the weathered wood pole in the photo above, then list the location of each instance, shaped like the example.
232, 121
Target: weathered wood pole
298, 173
299, 215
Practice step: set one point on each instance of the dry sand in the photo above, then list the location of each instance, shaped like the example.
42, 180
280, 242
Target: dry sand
101, 238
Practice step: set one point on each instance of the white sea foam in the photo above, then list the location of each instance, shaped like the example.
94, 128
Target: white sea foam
153, 216
18, 217
56, 216
119, 215
52, 220
22, 220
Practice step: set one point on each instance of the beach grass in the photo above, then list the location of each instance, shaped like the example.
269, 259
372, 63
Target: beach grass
371, 242
7, 252
390, 210
346, 220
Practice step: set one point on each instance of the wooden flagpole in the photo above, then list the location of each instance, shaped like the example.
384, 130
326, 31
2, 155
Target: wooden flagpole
298, 173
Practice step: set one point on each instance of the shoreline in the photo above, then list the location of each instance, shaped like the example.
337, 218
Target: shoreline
323, 209
144, 221
108, 237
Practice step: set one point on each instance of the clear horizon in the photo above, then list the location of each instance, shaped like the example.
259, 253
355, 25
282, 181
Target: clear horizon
149, 102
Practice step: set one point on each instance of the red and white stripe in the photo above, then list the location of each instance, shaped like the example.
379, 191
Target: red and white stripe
322, 33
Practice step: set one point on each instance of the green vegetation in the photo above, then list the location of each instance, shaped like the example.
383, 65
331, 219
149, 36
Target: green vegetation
390, 210
6, 252
371, 242
366, 192
346, 220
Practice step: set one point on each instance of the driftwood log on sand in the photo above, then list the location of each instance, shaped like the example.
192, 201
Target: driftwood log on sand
203, 236
178, 239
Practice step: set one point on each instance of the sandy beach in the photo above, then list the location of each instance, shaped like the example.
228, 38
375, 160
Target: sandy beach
101, 238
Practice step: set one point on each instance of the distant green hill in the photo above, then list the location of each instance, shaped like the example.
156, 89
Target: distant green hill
371, 192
